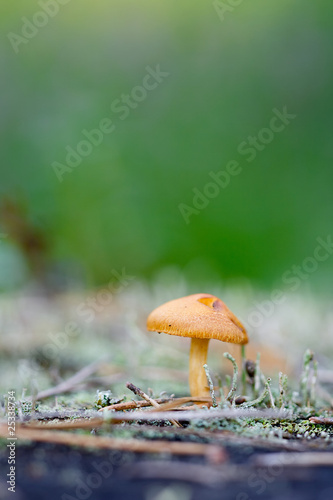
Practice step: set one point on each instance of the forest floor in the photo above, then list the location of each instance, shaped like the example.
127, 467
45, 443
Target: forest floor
70, 436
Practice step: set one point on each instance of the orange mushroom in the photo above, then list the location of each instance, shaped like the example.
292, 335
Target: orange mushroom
202, 317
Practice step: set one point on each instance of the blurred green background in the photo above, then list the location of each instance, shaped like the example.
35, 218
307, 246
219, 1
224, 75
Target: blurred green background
120, 207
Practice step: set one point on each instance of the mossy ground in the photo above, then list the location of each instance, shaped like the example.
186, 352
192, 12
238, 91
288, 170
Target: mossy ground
158, 365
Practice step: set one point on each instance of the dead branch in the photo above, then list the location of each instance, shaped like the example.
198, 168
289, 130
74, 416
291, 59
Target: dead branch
216, 436
321, 420
145, 396
69, 384
304, 459
214, 453
175, 403
132, 405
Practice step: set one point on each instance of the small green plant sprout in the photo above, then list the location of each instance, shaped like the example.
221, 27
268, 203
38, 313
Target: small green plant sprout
314, 383
233, 389
220, 384
25, 407
307, 382
257, 373
225, 391
211, 386
256, 402
283, 388
104, 398
271, 398
228, 380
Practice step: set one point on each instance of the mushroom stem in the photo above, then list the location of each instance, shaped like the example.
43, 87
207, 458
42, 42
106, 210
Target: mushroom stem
197, 376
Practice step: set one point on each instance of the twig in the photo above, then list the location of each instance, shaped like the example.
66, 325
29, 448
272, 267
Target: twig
139, 392
215, 436
175, 403
321, 420
211, 385
304, 459
132, 405
69, 384
145, 396
213, 452
233, 389
171, 402
304, 383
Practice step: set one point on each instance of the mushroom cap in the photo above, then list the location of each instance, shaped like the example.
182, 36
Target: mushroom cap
201, 316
